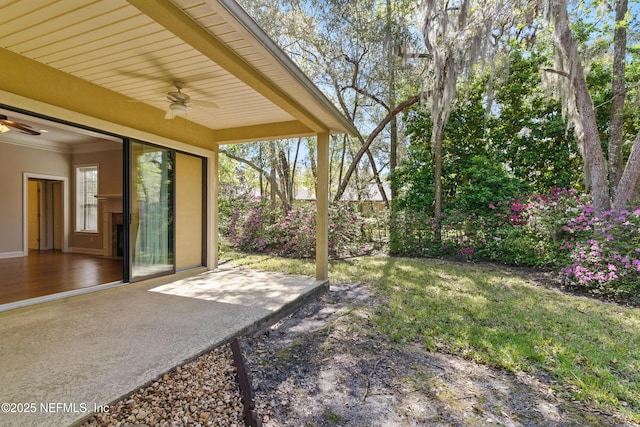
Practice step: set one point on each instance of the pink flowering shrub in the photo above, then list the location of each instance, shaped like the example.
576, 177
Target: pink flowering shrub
249, 224
529, 230
604, 253
253, 226
295, 235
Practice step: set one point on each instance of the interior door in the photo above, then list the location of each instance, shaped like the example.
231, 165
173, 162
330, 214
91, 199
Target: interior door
34, 206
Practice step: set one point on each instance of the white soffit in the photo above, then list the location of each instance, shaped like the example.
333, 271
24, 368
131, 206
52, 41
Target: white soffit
237, 29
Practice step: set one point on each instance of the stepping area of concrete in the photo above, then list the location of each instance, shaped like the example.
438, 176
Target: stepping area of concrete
62, 360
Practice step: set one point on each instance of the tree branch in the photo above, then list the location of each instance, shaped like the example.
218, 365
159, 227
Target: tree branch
368, 95
561, 73
366, 144
253, 166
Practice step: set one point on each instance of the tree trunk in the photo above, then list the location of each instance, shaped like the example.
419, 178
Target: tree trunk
393, 154
272, 175
616, 122
342, 156
437, 178
593, 149
442, 99
293, 170
376, 176
594, 156
629, 178
285, 179
393, 142
262, 191
314, 169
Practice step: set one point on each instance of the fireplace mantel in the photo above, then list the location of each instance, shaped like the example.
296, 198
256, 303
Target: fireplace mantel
111, 204
108, 196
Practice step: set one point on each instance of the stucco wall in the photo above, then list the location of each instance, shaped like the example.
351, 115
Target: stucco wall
188, 211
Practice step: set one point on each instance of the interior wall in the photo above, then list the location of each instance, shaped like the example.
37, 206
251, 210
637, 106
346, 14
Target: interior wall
109, 182
55, 200
18, 159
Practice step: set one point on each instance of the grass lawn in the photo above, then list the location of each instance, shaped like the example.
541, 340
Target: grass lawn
590, 349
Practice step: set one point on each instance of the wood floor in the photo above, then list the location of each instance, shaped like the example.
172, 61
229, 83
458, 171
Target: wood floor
45, 273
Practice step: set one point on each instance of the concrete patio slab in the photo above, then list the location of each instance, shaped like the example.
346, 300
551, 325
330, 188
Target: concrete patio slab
63, 360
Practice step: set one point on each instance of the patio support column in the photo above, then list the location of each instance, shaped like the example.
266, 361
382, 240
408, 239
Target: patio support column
322, 208
213, 233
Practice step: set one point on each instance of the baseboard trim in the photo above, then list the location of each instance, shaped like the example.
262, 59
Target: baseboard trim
87, 251
16, 254
58, 296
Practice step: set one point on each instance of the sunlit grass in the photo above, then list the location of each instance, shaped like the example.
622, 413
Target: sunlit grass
491, 315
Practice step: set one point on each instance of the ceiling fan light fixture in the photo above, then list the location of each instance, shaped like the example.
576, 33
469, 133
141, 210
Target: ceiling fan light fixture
178, 108
4, 128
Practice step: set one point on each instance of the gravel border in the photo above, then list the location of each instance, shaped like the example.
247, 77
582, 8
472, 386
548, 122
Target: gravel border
202, 392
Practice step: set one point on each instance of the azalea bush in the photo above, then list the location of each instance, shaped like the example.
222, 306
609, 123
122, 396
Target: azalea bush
346, 229
248, 223
295, 234
529, 230
604, 253
253, 226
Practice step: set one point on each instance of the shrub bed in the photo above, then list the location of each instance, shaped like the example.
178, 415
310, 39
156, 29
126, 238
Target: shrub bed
604, 253
555, 230
254, 226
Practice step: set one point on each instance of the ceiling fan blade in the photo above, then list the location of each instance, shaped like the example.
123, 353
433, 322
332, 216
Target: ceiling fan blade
204, 104
159, 67
142, 76
20, 126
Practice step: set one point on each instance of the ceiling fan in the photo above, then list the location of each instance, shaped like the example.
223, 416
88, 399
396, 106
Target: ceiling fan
180, 102
5, 124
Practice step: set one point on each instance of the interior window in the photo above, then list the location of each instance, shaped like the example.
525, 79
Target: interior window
86, 201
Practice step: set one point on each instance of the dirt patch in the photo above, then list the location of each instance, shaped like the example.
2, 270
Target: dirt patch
326, 365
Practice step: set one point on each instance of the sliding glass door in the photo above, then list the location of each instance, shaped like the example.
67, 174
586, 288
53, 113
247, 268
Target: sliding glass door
152, 210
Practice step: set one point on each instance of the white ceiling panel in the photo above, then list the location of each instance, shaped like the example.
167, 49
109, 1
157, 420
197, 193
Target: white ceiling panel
114, 45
